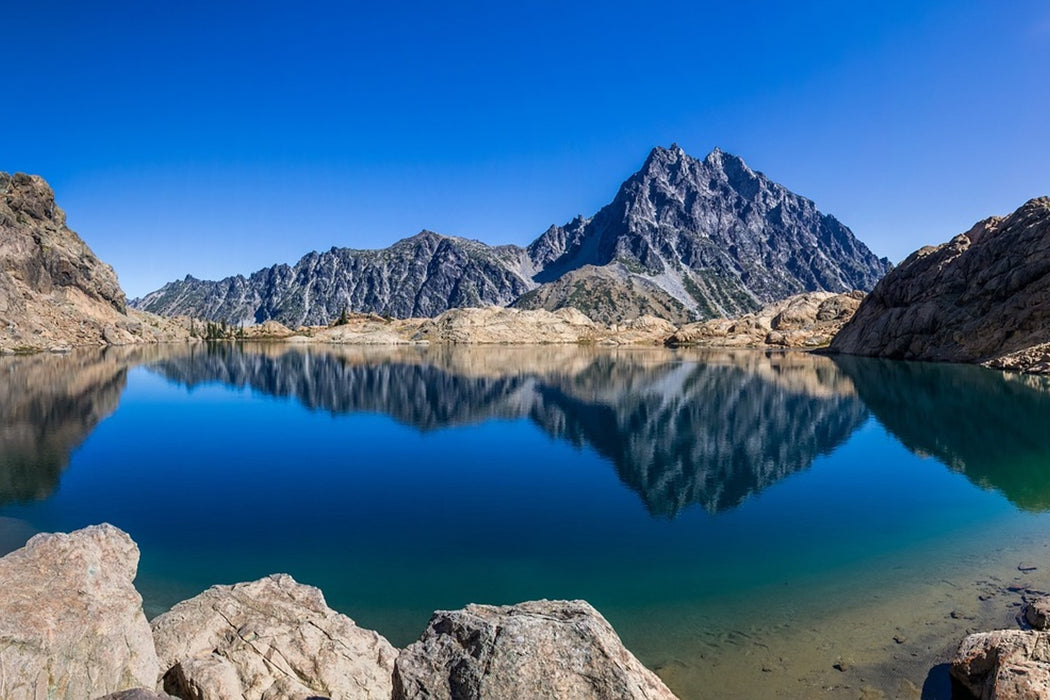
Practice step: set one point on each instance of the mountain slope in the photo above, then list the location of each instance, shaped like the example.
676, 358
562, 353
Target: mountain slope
54, 291
418, 276
684, 238
984, 296
716, 235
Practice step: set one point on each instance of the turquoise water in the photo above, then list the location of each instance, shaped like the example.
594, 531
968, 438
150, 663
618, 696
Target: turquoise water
672, 490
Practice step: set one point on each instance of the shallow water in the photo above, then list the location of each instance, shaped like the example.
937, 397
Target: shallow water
753, 524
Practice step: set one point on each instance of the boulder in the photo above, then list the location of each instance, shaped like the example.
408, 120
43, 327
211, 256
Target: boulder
810, 319
538, 649
71, 622
1037, 613
271, 638
1004, 665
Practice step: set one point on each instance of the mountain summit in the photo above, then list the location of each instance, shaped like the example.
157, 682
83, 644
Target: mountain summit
683, 238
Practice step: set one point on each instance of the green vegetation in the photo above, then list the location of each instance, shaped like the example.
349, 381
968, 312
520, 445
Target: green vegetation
344, 318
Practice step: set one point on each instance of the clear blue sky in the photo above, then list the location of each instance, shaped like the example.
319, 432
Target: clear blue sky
213, 138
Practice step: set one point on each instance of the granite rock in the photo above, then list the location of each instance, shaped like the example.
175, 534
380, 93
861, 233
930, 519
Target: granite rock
71, 621
1004, 665
810, 319
271, 638
538, 649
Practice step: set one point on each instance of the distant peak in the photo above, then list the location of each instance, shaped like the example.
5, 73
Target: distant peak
721, 159
660, 157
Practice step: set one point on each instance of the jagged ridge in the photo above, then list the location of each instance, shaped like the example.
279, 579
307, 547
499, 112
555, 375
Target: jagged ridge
684, 238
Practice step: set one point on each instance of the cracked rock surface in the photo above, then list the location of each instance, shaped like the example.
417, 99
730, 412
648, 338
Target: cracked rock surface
271, 638
71, 622
538, 649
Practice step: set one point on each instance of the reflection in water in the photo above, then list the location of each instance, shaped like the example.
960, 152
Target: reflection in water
681, 428
48, 405
990, 426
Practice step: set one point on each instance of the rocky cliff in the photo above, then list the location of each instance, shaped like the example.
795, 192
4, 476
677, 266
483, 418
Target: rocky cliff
982, 297
683, 239
54, 291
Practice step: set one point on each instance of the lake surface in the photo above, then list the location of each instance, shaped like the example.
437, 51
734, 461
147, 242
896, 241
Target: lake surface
753, 524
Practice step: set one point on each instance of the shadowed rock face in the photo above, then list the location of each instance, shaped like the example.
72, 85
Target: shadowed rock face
982, 297
985, 424
712, 430
683, 238
418, 276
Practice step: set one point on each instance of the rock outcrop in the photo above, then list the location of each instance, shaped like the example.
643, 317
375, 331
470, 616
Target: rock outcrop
539, 649
683, 239
983, 297
54, 291
499, 325
271, 638
71, 621
805, 320
1004, 665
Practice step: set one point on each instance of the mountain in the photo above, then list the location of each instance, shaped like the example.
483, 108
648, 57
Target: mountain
54, 291
982, 297
418, 276
683, 238
714, 234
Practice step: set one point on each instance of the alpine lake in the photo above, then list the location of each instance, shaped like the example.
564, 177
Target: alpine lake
753, 524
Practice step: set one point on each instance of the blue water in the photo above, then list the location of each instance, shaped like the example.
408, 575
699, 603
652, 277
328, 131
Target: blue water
647, 482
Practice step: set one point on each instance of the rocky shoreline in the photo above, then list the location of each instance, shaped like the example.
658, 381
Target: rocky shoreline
72, 626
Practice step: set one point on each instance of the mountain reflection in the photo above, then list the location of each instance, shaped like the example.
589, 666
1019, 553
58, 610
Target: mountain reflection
990, 426
48, 405
681, 428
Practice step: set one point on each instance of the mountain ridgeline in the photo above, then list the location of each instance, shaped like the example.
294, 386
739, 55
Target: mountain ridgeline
684, 239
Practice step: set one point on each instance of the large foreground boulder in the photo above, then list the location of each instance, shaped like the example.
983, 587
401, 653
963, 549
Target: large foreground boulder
983, 297
1004, 665
538, 649
271, 638
71, 622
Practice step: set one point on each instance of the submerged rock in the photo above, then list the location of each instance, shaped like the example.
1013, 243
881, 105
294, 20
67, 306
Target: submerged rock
271, 638
1004, 665
71, 621
538, 649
